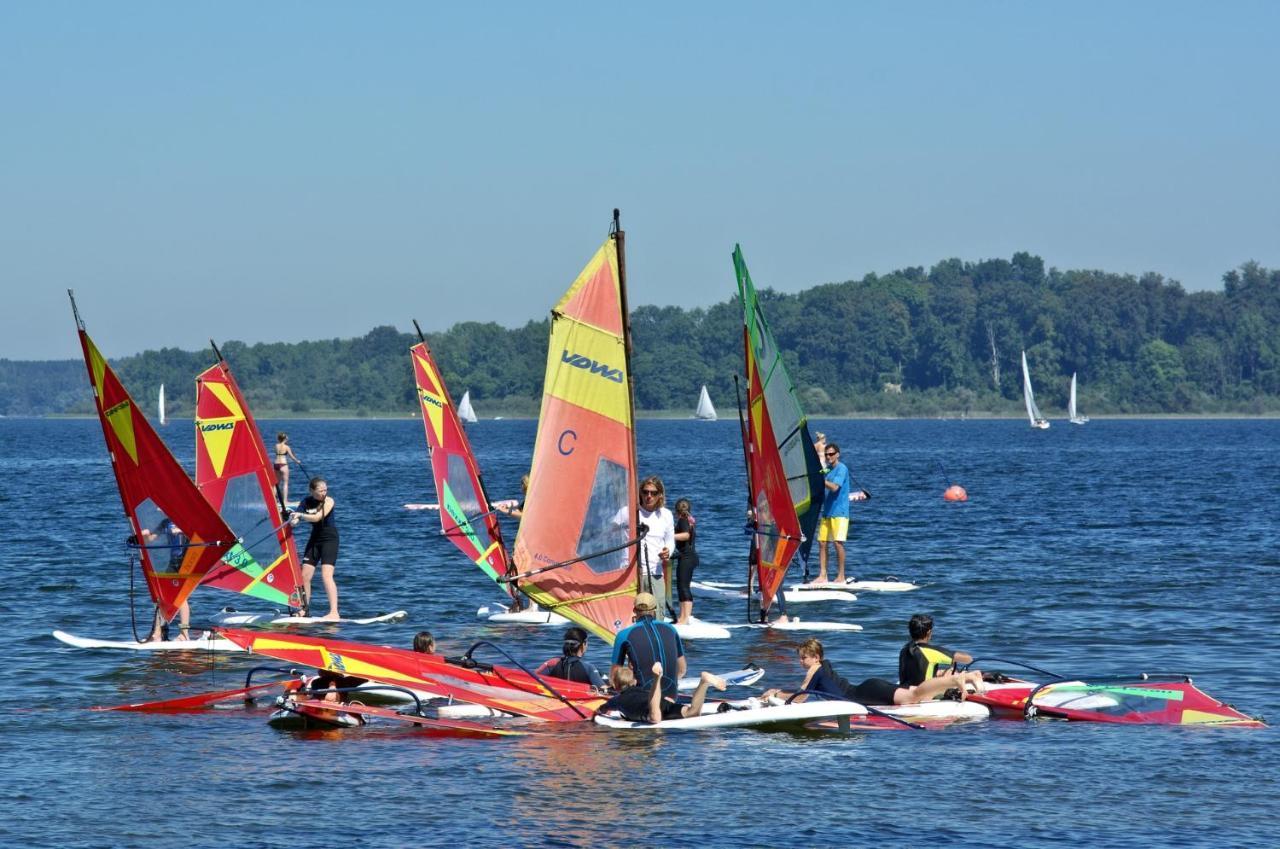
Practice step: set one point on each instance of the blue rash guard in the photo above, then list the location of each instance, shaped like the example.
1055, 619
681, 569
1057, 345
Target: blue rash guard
645, 642
835, 503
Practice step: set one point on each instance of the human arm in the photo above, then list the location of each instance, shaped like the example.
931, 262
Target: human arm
683, 530
655, 694
314, 514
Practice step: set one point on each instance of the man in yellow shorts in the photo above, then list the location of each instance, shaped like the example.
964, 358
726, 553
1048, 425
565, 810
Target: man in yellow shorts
833, 527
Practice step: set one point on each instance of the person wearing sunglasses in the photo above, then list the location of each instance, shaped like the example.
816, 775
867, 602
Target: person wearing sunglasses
658, 543
833, 527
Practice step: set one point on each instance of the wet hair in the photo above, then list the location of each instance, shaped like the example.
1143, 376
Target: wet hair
920, 626
622, 677
574, 639
811, 647
282, 437
315, 482
424, 643
656, 483
682, 507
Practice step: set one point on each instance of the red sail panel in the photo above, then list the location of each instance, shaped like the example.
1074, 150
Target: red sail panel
182, 536
580, 511
1141, 702
465, 515
236, 477
499, 688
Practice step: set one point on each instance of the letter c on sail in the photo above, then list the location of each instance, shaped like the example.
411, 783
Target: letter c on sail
566, 451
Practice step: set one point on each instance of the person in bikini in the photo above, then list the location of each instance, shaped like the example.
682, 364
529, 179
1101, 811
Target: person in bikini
821, 677
284, 453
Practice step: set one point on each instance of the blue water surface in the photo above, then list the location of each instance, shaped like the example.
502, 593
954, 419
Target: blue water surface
1117, 547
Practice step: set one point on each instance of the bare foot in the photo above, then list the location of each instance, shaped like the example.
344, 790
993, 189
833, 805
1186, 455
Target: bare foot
840, 579
818, 581
181, 638
784, 618
715, 680
330, 617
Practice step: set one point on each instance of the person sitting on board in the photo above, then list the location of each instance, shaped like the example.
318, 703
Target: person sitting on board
658, 542
516, 511
322, 545
638, 703
424, 643
919, 660
833, 527
686, 558
570, 666
167, 535
648, 642
821, 677
284, 453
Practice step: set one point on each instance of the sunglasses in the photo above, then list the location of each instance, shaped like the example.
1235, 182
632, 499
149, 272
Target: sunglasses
832, 453
648, 492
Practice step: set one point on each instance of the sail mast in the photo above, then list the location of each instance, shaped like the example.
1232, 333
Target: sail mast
620, 241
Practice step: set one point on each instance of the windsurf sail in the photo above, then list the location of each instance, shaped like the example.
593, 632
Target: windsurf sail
160, 406
179, 536
705, 412
1073, 415
465, 412
575, 552
466, 516
496, 687
784, 474
1141, 701
235, 475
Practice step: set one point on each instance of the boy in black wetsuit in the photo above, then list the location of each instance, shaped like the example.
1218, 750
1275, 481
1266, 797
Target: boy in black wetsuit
641, 704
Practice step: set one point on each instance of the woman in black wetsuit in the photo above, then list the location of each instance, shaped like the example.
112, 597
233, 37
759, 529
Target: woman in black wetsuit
322, 546
821, 677
686, 558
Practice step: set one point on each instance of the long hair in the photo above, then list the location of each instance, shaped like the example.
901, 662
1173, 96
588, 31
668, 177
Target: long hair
656, 483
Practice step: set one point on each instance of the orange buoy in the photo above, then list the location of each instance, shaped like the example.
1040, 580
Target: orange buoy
955, 492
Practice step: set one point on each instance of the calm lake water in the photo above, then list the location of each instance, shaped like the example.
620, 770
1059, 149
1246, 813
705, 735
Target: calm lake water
1117, 547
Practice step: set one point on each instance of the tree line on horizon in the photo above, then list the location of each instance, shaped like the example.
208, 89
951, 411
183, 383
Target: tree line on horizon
912, 343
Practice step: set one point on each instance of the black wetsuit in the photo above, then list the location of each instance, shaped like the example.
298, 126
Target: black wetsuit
686, 557
633, 704
873, 691
918, 662
644, 643
322, 545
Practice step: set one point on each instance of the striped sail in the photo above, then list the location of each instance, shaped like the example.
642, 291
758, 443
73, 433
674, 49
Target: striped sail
465, 514
785, 475
180, 536
581, 506
235, 475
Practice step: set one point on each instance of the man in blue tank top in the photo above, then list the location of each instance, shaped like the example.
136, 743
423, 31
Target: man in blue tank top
833, 527
647, 642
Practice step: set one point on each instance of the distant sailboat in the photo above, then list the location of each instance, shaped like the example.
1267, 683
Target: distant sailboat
465, 412
160, 403
1072, 414
1033, 412
705, 412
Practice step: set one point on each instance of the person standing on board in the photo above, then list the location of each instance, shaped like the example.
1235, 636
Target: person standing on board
648, 642
833, 527
284, 453
686, 558
168, 535
570, 666
322, 546
658, 543
919, 660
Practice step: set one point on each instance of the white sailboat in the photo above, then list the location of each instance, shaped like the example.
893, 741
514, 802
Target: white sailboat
465, 412
160, 404
1072, 414
705, 412
1033, 412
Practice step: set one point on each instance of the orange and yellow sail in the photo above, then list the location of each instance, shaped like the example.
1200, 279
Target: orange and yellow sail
235, 476
580, 512
180, 537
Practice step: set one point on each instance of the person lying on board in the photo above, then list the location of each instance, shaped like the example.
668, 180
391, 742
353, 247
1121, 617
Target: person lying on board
570, 666
919, 660
821, 677
167, 534
647, 704
646, 642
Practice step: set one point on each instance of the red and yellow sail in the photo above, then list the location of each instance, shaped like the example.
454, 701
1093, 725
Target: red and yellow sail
784, 472
465, 515
235, 475
581, 506
156, 492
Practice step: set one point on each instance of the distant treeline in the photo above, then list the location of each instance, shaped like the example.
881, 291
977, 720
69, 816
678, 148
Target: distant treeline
911, 343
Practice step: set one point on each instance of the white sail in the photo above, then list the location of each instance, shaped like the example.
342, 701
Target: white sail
1033, 412
1072, 414
160, 403
465, 412
706, 412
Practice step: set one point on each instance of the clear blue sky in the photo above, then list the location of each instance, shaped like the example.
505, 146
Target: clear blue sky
285, 171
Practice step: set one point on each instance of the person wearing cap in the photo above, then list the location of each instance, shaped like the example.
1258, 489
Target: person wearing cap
570, 666
648, 642
920, 660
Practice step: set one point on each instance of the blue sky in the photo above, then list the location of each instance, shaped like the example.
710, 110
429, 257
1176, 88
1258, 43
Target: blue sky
286, 171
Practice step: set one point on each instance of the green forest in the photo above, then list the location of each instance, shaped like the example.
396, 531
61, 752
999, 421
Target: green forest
946, 341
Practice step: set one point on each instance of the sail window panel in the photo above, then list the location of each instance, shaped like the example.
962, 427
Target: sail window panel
458, 481
769, 535
245, 512
607, 522
163, 540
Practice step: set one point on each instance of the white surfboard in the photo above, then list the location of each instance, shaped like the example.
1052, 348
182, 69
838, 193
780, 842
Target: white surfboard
737, 678
794, 624
531, 615
234, 617
794, 714
790, 595
939, 709
696, 629
853, 586
205, 643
